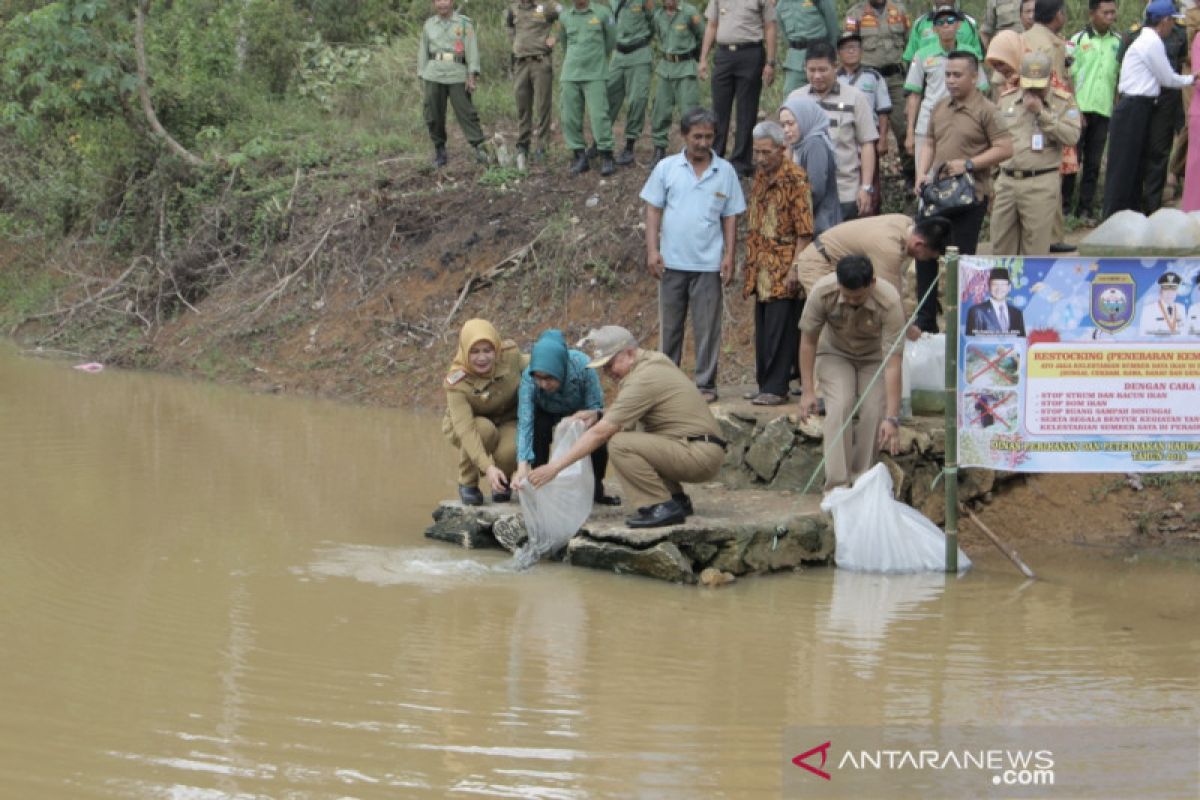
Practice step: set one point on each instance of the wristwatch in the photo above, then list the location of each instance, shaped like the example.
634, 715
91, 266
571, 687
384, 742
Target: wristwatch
868, 188
969, 165
894, 420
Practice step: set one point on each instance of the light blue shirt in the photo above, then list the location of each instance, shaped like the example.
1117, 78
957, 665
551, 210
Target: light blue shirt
693, 209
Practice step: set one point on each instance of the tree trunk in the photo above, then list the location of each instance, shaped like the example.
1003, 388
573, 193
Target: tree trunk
139, 42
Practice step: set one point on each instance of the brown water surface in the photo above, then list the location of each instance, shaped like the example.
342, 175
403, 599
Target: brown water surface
210, 594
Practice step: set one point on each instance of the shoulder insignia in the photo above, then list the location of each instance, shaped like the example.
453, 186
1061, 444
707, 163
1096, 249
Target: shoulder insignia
455, 377
1010, 90
1063, 93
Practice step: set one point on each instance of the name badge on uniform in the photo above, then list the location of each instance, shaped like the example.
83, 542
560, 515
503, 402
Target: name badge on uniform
1037, 142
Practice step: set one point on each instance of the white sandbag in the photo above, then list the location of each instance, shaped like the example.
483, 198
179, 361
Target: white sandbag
925, 362
554, 512
1174, 231
1124, 233
876, 533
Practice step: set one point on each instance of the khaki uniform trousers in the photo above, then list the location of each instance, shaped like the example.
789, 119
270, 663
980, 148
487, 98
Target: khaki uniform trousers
1023, 214
651, 466
841, 380
533, 82
499, 442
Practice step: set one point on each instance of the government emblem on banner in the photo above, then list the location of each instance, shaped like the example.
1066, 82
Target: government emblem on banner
1112, 303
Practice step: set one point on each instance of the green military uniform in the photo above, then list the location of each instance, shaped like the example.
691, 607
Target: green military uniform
850, 349
679, 33
923, 33
529, 25
448, 52
1029, 190
884, 32
800, 22
630, 67
667, 410
589, 36
1001, 15
481, 416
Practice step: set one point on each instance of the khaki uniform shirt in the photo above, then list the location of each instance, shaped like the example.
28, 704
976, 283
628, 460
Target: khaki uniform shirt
882, 239
658, 397
964, 130
740, 21
1002, 15
1059, 123
1039, 38
884, 33
851, 124
495, 397
529, 24
448, 50
860, 332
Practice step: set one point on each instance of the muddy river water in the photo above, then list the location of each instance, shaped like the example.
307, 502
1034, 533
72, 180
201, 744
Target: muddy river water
211, 594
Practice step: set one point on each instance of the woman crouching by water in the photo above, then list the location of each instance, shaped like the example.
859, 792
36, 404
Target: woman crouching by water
557, 384
481, 410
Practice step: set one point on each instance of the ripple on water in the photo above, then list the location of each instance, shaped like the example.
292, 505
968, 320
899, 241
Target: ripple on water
430, 567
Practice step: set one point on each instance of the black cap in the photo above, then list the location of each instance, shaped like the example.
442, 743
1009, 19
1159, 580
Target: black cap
946, 11
1170, 280
999, 274
849, 36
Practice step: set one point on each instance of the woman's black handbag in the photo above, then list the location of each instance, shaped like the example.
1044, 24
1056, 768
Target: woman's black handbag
948, 196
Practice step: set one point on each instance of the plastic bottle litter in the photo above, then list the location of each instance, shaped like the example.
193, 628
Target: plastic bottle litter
91, 366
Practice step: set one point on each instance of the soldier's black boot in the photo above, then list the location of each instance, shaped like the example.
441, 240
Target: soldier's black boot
659, 154
439, 157
591, 150
607, 167
625, 157
580, 164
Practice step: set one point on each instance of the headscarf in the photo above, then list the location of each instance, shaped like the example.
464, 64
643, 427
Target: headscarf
1006, 47
474, 331
549, 355
810, 119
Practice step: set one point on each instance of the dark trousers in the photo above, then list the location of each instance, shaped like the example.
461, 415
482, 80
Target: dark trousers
964, 234
849, 210
1128, 131
737, 75
436, 95
543, 435
776, 343
700, 292
1091, 150
1165, 121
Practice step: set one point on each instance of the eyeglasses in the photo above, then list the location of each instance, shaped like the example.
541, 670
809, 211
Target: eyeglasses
944, 21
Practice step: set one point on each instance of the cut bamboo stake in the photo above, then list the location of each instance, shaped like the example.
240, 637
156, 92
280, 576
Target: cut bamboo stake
1008, 551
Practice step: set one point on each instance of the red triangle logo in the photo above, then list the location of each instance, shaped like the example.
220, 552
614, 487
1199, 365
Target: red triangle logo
823, 750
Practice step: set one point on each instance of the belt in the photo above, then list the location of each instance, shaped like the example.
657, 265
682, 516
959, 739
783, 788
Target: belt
798, 44
634, 47
709, 438
448, 57
816, 243
1027, 173
741, 46
890, 70
523, 59
676, 58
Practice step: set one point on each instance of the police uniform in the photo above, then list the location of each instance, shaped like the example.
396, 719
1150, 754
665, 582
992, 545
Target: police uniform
737, 72
449, 51
850, 349
529, 25
679, 34
589, 36
884, 31
1163, 319
481, 416
868, 81
1029, 189
630, 68
676, 440
799, 23
851, 125
1001, 15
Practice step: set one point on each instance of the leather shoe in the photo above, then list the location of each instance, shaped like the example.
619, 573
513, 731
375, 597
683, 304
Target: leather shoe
659, 154
470, 495
625, 157
439, 157
580, 164
607, 167
1062, 247
658, 515
682, 499
607, 500
501, 497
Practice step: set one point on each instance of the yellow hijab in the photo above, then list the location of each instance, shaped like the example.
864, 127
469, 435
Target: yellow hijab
474, 331
1006, 47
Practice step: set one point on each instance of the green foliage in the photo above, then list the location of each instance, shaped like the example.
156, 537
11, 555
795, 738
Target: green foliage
274, 32
326, 70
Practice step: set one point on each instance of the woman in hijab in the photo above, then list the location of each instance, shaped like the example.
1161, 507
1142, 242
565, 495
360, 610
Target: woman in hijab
806, 130
557, 384
481, 410
1004, 57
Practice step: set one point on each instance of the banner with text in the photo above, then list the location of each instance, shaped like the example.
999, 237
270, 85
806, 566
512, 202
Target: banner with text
1078, 364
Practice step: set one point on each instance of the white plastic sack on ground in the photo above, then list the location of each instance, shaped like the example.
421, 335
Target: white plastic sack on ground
925, 362
876, 533
1174, 231
556, 511
1123, 233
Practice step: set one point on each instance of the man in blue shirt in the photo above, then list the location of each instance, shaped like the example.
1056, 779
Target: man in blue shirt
693, 198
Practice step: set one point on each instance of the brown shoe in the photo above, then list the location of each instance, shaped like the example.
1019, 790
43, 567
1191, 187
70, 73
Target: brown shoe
768, 399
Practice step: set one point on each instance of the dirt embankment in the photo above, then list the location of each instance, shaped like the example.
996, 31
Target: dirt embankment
361, 295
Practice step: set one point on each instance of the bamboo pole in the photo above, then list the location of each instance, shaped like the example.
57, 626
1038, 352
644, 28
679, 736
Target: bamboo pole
950, 471
1008, 551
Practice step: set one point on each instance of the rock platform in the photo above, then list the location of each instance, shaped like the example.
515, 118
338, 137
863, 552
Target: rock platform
754, 517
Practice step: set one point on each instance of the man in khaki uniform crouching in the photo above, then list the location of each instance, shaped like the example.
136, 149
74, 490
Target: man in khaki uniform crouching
678, 439
849, 321
1041, 120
